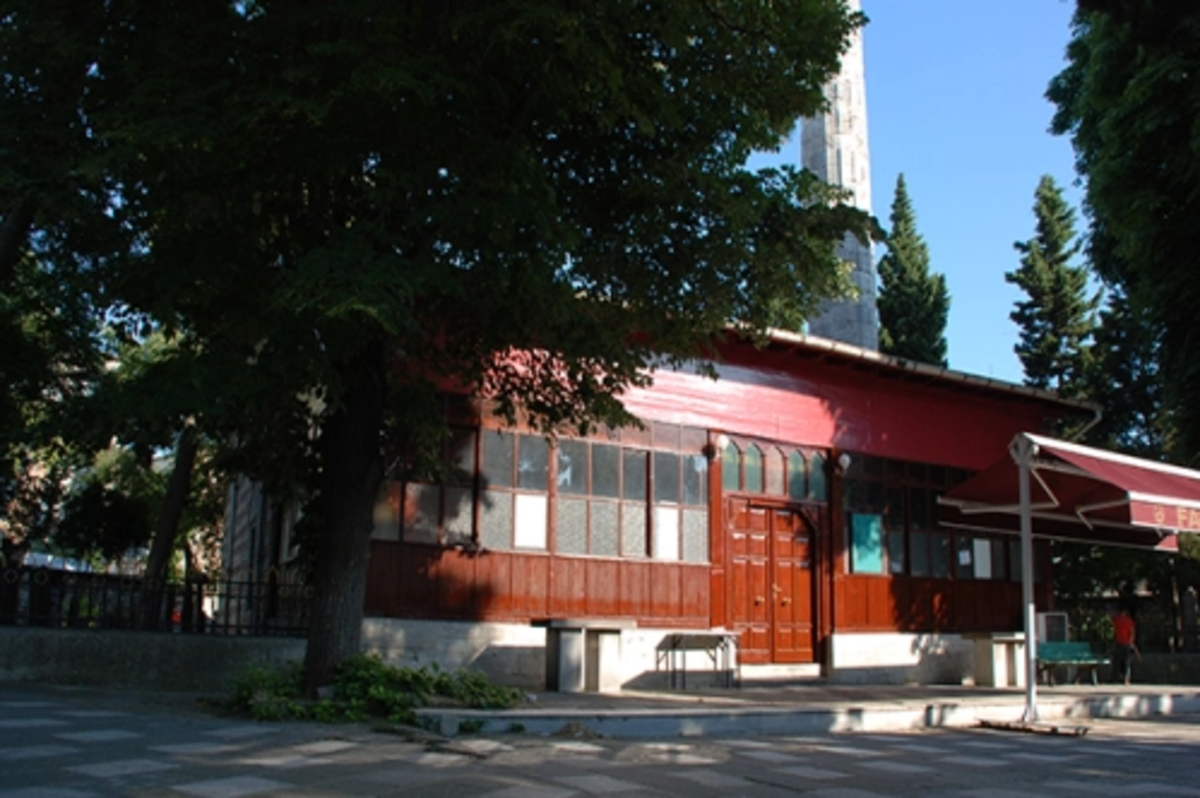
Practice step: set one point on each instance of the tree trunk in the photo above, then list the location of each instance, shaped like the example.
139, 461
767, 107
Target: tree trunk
166, 529
351, 473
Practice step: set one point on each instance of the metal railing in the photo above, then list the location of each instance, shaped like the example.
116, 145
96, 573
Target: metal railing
50, 598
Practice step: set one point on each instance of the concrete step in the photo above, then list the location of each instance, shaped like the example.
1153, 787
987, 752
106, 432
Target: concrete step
779, 674
618, 716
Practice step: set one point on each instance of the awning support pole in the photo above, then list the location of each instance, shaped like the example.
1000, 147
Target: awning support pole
1025, 451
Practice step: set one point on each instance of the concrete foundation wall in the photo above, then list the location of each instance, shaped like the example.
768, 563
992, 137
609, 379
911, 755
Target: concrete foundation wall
195, 663
900, 658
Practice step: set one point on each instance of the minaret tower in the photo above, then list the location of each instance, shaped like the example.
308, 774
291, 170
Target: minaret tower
834, 146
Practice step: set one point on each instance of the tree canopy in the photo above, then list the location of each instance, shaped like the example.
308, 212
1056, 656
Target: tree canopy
914, 303
342, 206
1130, 102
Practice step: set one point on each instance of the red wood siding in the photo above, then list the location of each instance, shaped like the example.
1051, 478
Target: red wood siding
908, 604
414, 581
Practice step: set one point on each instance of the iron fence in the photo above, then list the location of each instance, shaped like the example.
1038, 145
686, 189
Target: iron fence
51, 598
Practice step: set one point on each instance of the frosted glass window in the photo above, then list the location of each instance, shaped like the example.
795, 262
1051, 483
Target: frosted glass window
983, 559
666, 533
633, 529
572, 527
773, 462
495, 520
530, 521
606, 536
695, 535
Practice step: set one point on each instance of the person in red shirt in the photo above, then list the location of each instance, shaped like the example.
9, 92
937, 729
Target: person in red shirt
1124, 638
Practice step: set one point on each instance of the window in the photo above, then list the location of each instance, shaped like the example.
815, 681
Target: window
904, 496
818, 489
514, 509
866, 543
613, 500
796, 466
755, 468
440, 512
752, 469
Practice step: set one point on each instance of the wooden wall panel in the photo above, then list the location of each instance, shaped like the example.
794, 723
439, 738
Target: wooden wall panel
568, 588
530, 585
603, 589
493, 585
634, 586
382, 569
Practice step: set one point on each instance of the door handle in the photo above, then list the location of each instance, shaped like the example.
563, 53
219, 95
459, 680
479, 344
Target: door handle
760, 599
786, 602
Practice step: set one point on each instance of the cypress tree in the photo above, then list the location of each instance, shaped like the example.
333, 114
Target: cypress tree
913, 304
1057, 318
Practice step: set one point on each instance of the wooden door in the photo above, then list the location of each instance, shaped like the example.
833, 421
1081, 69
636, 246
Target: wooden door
771, 587
792, 588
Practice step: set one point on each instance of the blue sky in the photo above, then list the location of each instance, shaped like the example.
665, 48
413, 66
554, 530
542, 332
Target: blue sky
955, 101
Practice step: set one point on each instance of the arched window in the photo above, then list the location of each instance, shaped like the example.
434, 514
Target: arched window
731, 467
818, 488
774, 464
752, 462
795, 477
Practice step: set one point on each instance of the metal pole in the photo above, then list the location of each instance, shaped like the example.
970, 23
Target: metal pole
1024, 454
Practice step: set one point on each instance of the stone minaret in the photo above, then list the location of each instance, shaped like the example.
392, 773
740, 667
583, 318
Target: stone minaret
834, 146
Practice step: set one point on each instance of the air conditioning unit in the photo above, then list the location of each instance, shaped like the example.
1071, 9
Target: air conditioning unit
1052, 627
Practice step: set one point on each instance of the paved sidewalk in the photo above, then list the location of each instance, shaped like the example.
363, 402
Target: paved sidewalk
60, 742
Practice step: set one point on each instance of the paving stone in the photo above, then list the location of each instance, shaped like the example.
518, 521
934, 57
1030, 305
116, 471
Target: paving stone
122, 767
233, 787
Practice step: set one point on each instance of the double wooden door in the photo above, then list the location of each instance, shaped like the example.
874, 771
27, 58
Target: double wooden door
771, 563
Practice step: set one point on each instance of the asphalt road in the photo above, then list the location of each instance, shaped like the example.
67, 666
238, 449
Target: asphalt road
72, 743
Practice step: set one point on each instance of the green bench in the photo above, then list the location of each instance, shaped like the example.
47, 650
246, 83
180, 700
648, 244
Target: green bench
1076, 655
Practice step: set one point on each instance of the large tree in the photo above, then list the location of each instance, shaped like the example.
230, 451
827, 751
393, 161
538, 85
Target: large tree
1130, 101
1057, 316
913, 302
346, 204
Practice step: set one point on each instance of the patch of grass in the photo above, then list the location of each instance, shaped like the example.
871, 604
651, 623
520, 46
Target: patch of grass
365, 688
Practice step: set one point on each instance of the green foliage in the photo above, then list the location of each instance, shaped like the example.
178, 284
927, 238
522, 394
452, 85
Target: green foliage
913, 303
1057, 317
344, 205
365, 687
1130, 102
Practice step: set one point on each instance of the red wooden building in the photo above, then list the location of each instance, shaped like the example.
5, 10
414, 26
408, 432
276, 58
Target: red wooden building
792, 501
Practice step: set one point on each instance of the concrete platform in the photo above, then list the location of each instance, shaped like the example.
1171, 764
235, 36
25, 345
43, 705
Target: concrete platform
811, 708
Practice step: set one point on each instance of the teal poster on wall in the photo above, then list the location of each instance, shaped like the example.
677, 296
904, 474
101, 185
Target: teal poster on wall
866, 543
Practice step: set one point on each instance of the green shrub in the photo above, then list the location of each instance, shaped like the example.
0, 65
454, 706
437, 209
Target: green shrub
365, 687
